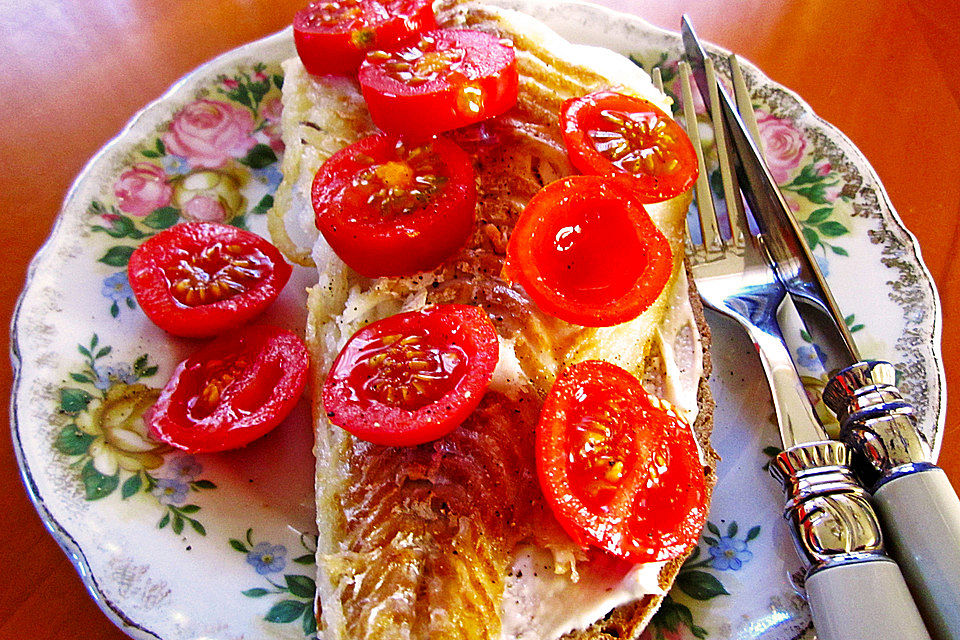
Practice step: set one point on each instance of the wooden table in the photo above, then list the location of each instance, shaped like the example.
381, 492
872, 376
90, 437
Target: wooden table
886, 72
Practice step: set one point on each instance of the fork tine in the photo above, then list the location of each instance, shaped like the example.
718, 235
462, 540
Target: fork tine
736, 217
706, 213
744, 104
657, 78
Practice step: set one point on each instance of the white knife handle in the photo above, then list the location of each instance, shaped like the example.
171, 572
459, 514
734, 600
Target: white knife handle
921, 521
918, 508
863, 601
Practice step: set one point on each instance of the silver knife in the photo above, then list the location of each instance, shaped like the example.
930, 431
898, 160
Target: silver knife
919, 510
834, 527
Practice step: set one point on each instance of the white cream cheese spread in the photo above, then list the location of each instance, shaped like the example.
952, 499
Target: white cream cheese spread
540, 603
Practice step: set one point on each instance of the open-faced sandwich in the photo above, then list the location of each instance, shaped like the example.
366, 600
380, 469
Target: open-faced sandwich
509, 362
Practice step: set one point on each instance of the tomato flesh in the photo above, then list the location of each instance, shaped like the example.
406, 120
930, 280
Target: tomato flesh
587, 252
199, 279
408, 372
448, 79
618, 466
412, 377
388, 208
332, 36
571, 243
232, 391
608, 132
216, 273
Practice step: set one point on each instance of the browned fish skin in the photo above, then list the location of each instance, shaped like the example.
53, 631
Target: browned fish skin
429, 530
515, 155
423, 537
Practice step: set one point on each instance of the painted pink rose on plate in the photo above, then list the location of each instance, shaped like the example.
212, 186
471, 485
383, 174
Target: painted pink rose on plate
208, 196
272, 110
142, 188
831, 192
209, 133
203, 208
783, 145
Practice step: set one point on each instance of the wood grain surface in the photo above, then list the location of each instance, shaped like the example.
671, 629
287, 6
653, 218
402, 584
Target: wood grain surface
73, 72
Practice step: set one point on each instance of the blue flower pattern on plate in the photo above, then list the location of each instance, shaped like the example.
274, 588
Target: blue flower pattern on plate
729, 554
267, 558
810, 356
116, 287
170, 491
108, 376
185, 468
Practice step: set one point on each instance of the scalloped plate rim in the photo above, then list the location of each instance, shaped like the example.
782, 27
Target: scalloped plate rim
63, 536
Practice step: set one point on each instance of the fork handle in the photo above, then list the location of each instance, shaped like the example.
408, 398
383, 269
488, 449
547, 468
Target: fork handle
855, 591
863, 601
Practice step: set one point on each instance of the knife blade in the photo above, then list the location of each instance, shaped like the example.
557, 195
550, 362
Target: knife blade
795, 264
919, 510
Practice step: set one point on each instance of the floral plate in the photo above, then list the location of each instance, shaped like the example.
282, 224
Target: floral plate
221, 546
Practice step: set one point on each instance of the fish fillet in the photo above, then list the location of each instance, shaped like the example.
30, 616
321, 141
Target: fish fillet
418, 542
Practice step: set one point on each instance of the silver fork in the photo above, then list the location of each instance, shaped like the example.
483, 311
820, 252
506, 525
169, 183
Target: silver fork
734, 278
854, 590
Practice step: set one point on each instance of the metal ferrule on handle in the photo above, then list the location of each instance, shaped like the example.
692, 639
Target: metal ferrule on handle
855, 591
831, 517
877, 422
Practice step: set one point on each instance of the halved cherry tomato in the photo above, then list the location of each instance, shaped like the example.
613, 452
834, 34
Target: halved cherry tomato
332, 36
412, 377
232, 391
388, 208
450, 78
618, 466
197, 279
608, 132
587, 252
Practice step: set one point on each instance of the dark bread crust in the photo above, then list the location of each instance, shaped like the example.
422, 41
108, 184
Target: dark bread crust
629, 621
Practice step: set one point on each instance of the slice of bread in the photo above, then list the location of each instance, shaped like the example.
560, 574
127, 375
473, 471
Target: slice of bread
432, 541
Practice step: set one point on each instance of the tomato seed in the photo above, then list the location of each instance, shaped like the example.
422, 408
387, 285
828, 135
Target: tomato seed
470, 99
615, 472
217, 273
378, 55
398, 186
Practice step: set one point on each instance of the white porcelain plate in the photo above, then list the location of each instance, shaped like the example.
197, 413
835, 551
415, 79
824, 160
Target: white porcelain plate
176, 546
